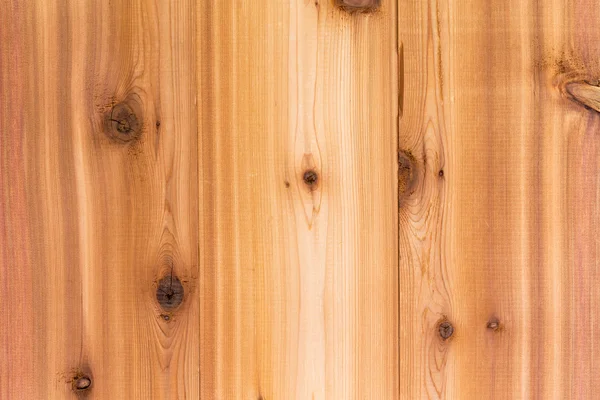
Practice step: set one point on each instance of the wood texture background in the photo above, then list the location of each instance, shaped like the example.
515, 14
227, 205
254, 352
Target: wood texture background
91, 223
330, 187
509, 233
300, 284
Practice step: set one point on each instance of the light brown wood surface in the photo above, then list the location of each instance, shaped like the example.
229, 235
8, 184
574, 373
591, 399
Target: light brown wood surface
299, 199
504, 245
248, 150
299, 281
91, 221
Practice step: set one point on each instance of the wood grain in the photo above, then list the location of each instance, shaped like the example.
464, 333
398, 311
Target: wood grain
502, 244
98, 199
298, 180
349, 199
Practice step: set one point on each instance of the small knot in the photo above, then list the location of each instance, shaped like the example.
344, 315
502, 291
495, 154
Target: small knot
441, 173
169, 293
445, 330
493, 324
311, 179
363, 6
584, 93
407, 174
123, 122
82, 382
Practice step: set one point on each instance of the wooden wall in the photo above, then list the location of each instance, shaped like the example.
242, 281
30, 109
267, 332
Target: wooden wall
299, 199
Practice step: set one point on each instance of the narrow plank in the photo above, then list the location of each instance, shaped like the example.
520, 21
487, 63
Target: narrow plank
504, 244
98, 200
298, 185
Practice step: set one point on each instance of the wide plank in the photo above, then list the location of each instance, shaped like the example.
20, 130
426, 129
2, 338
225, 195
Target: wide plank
98, 200
298, 180
499, 256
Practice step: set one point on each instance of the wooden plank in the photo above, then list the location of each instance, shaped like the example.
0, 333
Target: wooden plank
98, 199
504, 244
298, 183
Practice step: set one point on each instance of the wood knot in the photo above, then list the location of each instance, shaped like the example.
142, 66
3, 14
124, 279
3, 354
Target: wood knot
584, 93
311, 179
407, 173
362, 6
169, 293
124, 120
493, 324
445, 329
165, 317
82, 382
